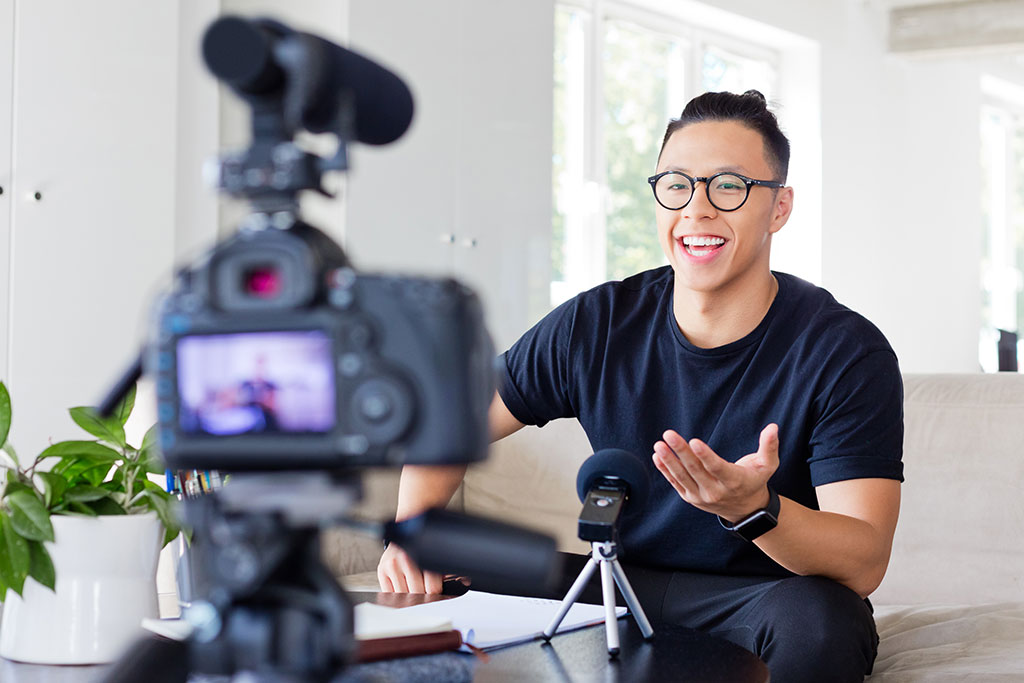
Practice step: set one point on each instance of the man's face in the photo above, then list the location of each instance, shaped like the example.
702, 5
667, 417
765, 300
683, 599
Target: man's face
711, 250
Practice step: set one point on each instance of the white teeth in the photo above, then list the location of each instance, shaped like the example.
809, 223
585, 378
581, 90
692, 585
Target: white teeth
703, 241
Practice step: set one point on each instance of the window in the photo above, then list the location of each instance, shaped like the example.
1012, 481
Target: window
620, 74
1002, 174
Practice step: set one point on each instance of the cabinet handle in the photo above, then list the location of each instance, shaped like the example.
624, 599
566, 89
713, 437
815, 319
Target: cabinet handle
38, 196
469, 243
448, 238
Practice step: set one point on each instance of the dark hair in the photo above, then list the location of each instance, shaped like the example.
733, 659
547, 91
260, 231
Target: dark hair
749, 109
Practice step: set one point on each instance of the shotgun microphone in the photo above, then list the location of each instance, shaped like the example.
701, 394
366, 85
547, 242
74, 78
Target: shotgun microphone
262, 57
499, 556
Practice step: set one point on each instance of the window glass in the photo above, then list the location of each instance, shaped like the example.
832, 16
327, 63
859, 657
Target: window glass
638, 67
568, 59
722, 70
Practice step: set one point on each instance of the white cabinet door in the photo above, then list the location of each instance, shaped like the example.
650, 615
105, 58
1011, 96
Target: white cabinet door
6, 83
92, 198
476, 163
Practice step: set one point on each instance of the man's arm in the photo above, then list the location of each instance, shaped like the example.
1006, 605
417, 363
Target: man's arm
849, 539
426, 486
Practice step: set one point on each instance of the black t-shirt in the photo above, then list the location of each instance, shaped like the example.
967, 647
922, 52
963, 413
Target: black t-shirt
614, 358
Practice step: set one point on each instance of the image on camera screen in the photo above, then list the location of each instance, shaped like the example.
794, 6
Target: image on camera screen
256, 382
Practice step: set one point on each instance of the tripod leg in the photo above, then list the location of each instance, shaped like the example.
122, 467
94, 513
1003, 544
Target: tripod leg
634, 605
570, 597
611, 625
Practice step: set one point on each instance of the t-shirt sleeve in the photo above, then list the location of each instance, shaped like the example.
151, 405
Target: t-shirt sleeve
859, 431
534, 376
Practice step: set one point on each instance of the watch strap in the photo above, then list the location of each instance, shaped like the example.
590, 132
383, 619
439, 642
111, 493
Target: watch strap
758, 522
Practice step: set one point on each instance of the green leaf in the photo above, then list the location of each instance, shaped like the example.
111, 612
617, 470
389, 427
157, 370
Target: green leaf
75, 506
8, 448
162, 505
40, 565
94, 476
150, 457
89, 450
29, 516
105, 428
82, 472
13, 485
5, 413
54, 487
83, 493
117, 478
124, 408
106, 506
14, 556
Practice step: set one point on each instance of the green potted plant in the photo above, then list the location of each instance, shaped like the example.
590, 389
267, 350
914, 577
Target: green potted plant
81, 527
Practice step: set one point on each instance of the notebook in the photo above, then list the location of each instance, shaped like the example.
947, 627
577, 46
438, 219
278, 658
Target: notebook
489, 621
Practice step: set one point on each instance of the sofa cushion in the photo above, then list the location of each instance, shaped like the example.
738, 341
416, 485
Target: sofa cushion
962, 513
950, 643
530, 479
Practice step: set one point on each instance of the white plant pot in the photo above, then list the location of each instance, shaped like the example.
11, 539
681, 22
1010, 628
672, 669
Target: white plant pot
106, 585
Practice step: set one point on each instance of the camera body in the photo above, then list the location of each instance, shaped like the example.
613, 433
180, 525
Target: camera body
274, 354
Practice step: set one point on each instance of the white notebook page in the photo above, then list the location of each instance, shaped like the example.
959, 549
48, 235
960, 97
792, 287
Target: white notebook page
487, 620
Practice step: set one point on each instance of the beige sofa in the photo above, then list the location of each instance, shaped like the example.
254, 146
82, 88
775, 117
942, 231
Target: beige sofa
952, 604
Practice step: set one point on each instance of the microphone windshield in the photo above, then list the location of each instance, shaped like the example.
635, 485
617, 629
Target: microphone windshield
312, 75
617, 463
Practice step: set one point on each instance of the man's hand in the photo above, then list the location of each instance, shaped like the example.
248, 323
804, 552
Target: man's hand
397, 573
730, 490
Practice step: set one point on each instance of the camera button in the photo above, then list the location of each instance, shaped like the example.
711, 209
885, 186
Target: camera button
354, 444
350, 364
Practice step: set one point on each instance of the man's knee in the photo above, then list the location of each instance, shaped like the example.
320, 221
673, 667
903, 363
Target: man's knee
815, 629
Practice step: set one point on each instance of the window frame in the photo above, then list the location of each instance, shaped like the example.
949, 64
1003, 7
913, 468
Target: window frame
1003, 278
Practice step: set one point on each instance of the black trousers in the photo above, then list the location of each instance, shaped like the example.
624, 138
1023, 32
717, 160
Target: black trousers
805, 628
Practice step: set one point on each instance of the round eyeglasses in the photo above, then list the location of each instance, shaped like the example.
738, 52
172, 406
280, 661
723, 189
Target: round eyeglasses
726, 191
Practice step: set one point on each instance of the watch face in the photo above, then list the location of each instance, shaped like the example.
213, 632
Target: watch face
761, 522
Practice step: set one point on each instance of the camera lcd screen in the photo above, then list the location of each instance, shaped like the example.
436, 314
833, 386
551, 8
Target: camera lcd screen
256, 382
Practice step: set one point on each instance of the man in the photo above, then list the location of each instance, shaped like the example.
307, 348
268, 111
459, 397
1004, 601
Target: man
772, 413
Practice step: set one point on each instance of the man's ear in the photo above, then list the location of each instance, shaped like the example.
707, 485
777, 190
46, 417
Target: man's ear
782, 209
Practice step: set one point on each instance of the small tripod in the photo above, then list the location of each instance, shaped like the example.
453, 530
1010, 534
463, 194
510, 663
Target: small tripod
605, 555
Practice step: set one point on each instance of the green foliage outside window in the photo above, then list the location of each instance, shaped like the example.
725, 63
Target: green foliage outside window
636, 91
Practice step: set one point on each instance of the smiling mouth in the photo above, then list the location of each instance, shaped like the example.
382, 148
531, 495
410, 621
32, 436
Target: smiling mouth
701, 246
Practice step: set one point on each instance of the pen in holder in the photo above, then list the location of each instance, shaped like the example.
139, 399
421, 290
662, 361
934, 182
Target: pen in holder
190, 484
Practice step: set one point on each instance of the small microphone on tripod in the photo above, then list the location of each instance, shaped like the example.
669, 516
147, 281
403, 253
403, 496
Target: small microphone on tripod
605, 482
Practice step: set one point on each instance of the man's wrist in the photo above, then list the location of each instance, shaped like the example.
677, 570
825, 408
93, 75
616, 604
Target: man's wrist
759, 522
763, 501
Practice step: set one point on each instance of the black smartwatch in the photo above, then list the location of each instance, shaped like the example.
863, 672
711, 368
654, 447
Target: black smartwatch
758, 522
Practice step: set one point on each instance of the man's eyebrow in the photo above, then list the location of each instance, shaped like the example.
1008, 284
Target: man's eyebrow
720, 169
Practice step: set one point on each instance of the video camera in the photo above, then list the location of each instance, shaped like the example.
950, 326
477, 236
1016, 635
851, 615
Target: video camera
279, 363
274, 353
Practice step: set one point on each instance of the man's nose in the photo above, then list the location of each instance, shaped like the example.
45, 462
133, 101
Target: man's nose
700, 206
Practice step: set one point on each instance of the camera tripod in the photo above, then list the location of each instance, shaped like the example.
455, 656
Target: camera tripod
605, 555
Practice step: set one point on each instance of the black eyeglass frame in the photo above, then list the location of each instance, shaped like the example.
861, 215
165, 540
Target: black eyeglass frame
749, 182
